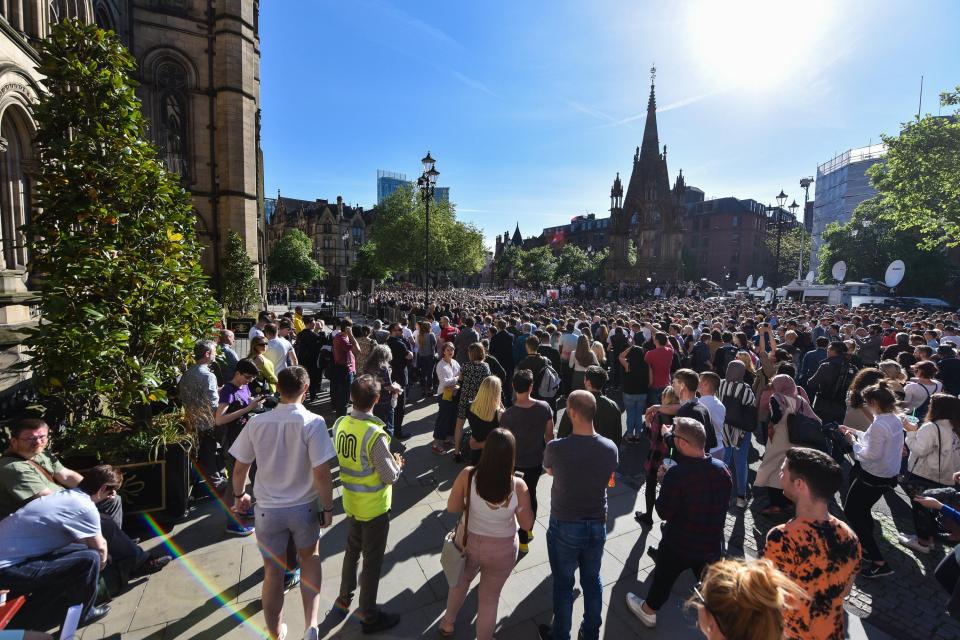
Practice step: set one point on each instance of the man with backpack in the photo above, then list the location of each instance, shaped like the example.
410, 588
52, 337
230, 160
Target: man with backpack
546, 380
830, 383
726, 352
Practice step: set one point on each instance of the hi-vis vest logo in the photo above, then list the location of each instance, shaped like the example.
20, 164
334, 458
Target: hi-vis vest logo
347, 445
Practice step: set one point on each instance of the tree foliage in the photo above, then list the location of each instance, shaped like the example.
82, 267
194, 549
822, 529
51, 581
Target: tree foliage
369, 264
399, 235
240, 288
291, 263
870, 241
790, 245
919, 178
112, 238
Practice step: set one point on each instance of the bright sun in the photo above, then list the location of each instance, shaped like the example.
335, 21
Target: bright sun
755, 44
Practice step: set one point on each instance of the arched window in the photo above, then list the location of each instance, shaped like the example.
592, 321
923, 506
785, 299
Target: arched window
172, 124
15, 198
104, 17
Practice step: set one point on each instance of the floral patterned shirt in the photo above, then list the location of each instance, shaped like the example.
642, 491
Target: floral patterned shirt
822, 557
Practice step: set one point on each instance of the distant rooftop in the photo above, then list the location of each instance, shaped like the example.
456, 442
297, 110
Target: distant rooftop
871, 152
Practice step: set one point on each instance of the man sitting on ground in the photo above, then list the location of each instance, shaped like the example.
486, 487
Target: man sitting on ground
53, 550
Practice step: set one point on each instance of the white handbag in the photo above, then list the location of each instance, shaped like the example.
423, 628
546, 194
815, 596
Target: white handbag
453, 555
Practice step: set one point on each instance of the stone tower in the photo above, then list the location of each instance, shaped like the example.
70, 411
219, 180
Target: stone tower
650, 215
199, 72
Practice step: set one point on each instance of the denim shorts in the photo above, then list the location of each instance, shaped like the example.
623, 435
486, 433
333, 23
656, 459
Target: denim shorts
274, 527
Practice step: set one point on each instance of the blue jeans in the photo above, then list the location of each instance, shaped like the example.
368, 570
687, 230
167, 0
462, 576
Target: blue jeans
55, 582
654, 395
385, 412
573, 545
635, 404
740, 456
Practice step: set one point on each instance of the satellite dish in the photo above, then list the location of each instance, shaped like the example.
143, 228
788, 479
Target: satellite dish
749, 281
895, 273
809, 277
840, 271
760, 282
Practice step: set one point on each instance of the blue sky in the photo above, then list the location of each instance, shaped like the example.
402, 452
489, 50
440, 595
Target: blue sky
530, 108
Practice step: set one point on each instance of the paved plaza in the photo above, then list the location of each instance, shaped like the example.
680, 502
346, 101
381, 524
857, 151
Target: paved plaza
212, 589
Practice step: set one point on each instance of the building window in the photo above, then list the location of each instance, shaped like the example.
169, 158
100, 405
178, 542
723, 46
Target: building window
735, 221
327, 243
327, 227
15, 199
357, 235
172, 121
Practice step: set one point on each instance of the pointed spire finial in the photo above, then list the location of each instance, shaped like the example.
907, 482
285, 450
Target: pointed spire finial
653, 73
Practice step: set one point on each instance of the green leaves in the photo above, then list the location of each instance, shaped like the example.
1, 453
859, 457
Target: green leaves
399, 235
919, 178
239, 286
870, 242
290, 261
112, 240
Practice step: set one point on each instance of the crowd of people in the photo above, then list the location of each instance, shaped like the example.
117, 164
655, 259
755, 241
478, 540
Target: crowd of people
842, 402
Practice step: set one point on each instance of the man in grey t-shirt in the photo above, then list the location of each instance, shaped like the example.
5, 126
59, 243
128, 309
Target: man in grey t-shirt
581, 465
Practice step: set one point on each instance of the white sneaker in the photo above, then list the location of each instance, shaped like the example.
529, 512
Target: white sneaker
635, 605
283, 631
911, 542
312, 633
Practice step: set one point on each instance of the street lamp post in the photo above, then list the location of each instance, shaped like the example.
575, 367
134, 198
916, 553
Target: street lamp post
427, 182
793, 211
805, 185
781, 200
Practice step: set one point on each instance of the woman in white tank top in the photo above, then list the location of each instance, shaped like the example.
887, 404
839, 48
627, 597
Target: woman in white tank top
498, 500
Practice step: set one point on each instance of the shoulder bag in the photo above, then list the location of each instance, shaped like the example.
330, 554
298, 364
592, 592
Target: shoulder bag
453, 555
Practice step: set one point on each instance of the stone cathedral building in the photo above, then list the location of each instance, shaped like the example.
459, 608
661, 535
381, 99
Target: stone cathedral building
651, 214
199, 73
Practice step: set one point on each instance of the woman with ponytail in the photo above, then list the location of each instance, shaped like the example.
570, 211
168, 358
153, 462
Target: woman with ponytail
877, 452
743, 600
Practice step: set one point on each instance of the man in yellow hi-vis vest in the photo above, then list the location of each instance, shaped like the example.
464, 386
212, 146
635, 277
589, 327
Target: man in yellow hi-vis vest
367, 473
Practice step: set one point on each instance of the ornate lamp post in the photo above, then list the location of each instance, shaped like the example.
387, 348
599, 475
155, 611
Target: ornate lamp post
793, 211
778, 218
427, 182
805, 185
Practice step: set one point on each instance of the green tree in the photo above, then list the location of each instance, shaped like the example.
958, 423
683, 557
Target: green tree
510, 263
919, 178
538, 266
573, 263
240, 288
112, 238
790, 242
399, 233
290, 261
368, 263
870, 241
598, 262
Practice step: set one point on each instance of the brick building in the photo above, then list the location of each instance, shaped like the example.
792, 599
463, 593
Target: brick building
335, 229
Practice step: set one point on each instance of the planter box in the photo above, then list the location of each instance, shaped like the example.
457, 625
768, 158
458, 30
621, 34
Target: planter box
144, 487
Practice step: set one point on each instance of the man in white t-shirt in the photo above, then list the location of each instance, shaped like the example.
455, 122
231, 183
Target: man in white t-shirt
709, 383
279, 350
52, 549
263, 319
294, 493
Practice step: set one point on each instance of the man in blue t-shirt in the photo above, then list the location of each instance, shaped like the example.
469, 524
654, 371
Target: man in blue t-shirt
53, 549
582, 465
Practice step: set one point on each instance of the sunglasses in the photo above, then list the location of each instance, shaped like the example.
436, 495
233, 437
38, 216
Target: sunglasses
701, 601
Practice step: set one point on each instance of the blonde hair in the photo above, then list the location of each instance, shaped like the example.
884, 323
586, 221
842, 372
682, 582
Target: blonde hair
747, 598
893, 371
747, 361
669, 396
487, 402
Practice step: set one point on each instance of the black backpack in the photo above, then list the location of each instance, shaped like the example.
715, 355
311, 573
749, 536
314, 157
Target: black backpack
848, 371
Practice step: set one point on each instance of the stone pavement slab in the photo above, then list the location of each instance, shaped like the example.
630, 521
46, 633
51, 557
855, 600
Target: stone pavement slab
212, 589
